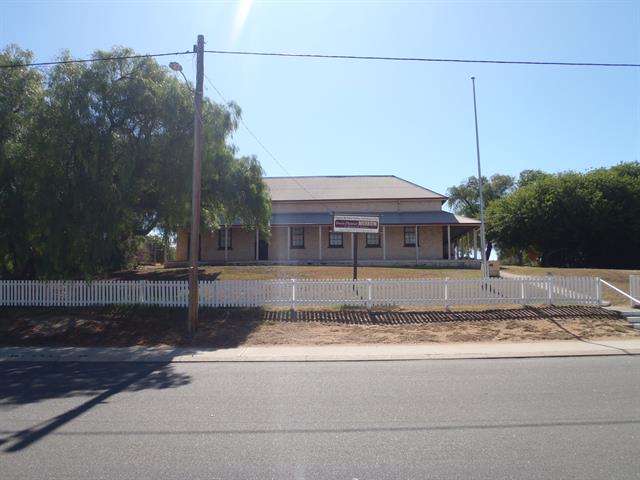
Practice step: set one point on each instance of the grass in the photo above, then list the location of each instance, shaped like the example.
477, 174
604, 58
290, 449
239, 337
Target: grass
619, 278
273, 272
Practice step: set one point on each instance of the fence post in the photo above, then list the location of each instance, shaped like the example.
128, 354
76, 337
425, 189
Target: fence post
369, 293
549, 279
599, 292
522, 291
141, 292
293, 298
446, 293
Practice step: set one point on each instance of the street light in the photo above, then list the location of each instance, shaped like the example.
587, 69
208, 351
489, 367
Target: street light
176, 67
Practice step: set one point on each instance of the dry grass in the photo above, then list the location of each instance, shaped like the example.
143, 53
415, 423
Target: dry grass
619, 278
272, 272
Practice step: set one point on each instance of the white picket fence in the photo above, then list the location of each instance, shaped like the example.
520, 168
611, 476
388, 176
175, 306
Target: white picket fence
634, 289
293, 293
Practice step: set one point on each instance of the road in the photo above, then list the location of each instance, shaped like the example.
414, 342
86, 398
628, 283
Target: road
570, 418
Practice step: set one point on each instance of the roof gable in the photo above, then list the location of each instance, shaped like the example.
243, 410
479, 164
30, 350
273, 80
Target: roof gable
365, 187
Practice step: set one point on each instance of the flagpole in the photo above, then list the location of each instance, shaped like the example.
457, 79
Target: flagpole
483, 241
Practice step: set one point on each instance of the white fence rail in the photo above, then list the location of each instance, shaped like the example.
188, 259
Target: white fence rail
634, 289
294, 293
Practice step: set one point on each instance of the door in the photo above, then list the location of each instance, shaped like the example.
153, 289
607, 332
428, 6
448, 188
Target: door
263, 250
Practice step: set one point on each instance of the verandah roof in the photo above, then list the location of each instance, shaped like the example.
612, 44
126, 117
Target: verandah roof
386, 218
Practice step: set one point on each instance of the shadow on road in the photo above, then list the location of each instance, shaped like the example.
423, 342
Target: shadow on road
25, 383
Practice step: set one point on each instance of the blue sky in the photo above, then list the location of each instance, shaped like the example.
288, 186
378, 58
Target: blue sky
333, 117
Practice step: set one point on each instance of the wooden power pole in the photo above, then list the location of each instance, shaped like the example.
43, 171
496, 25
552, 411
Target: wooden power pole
195, 192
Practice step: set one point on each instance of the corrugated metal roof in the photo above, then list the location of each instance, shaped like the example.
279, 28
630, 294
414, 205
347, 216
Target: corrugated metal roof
390, 218
384, 187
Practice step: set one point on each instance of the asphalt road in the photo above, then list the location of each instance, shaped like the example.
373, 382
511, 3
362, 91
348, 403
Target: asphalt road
569, 418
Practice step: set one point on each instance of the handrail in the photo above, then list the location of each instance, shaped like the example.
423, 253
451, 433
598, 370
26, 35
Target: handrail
620, 291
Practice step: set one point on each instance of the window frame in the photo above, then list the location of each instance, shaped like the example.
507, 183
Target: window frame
341, 234
411, 231
373, 245
293, 236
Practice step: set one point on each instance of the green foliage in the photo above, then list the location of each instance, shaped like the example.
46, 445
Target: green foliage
464, 199
529, 176
572, 219
94, 156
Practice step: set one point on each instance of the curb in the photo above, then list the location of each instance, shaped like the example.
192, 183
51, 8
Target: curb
353, 353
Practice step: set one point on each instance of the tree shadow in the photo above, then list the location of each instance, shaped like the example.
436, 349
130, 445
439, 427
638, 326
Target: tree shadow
163, 274
124, 326
26, 383
227, 327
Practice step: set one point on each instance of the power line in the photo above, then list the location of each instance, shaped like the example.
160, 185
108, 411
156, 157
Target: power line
421, 59
336, 57
255, 137
89, 60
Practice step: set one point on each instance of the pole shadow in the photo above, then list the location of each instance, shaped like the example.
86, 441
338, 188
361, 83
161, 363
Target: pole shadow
27, 383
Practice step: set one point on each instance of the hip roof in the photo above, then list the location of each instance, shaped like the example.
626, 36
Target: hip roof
365, 187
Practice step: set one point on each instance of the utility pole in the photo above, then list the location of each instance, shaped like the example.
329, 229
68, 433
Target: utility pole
483, 252
195, 190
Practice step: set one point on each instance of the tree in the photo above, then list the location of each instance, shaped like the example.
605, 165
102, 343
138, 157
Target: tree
529, 176
572, 219
106, 157
464, 199
21, 97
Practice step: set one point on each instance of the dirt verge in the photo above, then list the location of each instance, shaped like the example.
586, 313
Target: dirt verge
119, 327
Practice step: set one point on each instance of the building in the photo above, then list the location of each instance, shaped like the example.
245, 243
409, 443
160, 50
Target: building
413, 227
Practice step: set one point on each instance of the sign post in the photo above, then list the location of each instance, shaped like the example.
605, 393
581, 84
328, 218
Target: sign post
355, 256
356, 224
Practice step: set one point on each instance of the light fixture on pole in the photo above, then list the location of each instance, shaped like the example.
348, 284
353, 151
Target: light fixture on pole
483, 242
176, 67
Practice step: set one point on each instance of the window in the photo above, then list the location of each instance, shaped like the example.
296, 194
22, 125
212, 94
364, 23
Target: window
409, 236
221, 239
297, 237
336, 240
373, 240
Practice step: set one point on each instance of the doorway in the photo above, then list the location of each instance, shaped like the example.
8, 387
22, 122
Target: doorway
263, 250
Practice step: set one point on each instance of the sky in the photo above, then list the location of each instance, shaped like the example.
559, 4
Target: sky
413, 120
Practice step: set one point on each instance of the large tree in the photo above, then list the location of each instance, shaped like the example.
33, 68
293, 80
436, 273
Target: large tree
21, 99
104, 157
464, 199
572, 219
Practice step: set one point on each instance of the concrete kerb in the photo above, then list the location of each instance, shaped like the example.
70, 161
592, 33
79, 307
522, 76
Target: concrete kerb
330, 353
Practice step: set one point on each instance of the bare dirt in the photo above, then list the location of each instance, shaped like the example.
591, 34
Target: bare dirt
230, 328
